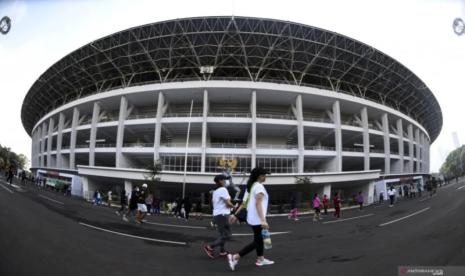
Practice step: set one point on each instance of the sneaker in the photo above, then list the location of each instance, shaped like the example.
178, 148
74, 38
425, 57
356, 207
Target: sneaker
232, 262
224, 254
209, 251
138, 222
125, 219
296, 219
263, 262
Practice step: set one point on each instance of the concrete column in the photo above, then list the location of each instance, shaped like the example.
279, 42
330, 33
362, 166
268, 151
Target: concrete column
123, 113
366, 140
327, 190
51, 125
72, 143
61, 123
410, 147
93, 133
128, 187
253, 110
88, 188
338, 135
204, 130
400, 141
44, 135
34, 148
160, 111
300, 133
387, 145
417, 156
369, 192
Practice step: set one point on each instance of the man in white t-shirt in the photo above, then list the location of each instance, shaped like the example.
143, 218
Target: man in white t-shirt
392, 194
222, 205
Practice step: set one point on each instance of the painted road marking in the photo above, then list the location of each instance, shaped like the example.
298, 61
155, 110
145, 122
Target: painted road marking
271, 233
6, 188
428, 197
131, 236
402, 218
340, 220
51, 199
459, 188
175, 225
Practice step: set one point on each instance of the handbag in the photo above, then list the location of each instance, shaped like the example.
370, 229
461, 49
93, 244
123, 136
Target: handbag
242, 214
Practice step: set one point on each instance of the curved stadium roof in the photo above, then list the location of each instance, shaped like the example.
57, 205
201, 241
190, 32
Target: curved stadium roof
240, 48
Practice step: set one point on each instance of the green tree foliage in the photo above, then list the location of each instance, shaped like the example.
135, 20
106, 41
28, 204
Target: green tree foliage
9, 159
152, 176
455, 163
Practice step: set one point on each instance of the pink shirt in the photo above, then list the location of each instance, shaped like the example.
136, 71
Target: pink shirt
316, 202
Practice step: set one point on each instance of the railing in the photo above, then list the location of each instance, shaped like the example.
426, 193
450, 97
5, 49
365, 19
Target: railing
317, 119
228, 146
377, 151
275, 116
180, 145
82, 146
194, 114
110, 117
65, 147
86, 122
320, 148
99, 145
234, 115
142, 116
138, 145
353, 149
269, 146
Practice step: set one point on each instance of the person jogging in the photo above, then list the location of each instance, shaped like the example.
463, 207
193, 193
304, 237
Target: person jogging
221, 210
316, 207
392, 194
325, 204
123, 201
360, 200
132, 203
337, 205
141, 205
293, 214
256, 201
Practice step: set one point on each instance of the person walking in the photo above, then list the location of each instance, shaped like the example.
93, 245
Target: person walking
360, 200
123, 201
256, 202
141, 205
132, 203
293, 213
109, 198
221, 210
316, 207
337, 205
187, 208
325, 204
392, 194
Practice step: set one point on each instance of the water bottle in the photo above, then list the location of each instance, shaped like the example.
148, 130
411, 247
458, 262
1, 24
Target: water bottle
266, 239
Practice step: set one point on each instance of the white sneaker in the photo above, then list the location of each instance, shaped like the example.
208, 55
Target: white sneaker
264, 262
232, 262
125, 219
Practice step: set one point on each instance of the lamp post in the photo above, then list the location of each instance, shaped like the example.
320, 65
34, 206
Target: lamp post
187, 147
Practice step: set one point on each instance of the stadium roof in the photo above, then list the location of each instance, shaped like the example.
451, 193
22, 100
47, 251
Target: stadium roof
233, 48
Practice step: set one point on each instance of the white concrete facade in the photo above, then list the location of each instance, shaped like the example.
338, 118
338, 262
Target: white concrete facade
289, 129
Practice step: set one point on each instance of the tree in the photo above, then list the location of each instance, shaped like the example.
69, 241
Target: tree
304, 185
152, 176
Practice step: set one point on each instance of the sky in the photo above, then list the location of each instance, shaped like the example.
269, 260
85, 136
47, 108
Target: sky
417, 33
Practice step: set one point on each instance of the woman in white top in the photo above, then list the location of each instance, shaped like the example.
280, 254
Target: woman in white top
221, 210
256, 199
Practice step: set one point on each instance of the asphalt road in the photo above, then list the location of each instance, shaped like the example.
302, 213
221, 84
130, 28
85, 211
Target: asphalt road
44, 233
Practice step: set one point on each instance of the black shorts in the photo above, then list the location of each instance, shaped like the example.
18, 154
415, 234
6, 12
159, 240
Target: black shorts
317, 210
132, 206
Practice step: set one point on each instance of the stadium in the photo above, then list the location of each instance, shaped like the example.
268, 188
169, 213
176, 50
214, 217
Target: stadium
230, 93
